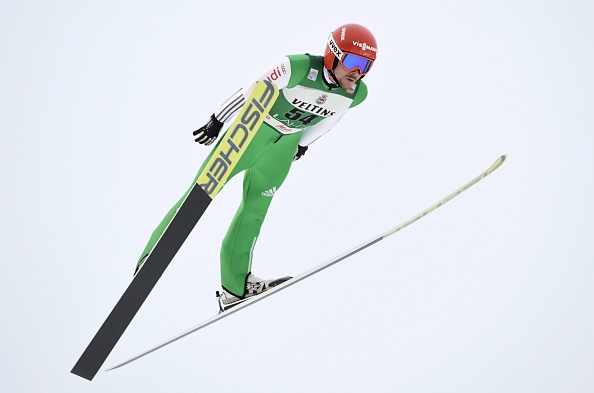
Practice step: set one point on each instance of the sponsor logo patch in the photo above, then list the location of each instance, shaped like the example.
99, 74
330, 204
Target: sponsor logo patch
364, 46
269, 193
322, 99
277, 73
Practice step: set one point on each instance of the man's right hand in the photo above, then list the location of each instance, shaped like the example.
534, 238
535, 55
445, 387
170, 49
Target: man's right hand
209, 132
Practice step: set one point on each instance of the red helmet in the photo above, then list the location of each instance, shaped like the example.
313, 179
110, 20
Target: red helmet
351, 39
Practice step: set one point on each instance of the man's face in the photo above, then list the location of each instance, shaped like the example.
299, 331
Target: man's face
346, 79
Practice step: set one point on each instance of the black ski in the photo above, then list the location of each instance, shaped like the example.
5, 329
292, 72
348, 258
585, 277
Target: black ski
142, 284
209, 183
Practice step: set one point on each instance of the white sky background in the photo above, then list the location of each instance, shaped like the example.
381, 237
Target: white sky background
493, 292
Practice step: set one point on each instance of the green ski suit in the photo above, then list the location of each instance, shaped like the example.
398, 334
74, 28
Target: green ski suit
307, 107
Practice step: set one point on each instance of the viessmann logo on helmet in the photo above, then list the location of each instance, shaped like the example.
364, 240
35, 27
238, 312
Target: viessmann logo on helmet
364, 46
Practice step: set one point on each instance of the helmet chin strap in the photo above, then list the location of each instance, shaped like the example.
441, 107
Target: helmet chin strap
328, 80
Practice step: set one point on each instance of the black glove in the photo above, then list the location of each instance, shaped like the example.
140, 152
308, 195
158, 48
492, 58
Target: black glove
300, 151
208, 132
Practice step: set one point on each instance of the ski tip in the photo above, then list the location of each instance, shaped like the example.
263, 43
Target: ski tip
498, 162
501, 158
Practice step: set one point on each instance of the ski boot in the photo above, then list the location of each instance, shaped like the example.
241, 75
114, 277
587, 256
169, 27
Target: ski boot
253, 286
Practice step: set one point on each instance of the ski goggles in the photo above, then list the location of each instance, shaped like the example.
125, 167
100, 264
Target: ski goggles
351, 62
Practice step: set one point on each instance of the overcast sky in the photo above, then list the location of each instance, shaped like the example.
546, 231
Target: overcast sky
492, 292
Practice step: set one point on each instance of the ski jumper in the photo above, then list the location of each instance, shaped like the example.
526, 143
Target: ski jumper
307, 107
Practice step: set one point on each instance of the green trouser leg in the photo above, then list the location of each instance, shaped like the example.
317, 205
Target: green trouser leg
165, 223
171, 213
266, 163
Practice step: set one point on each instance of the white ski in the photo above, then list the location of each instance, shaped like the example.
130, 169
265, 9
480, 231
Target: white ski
249, 301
